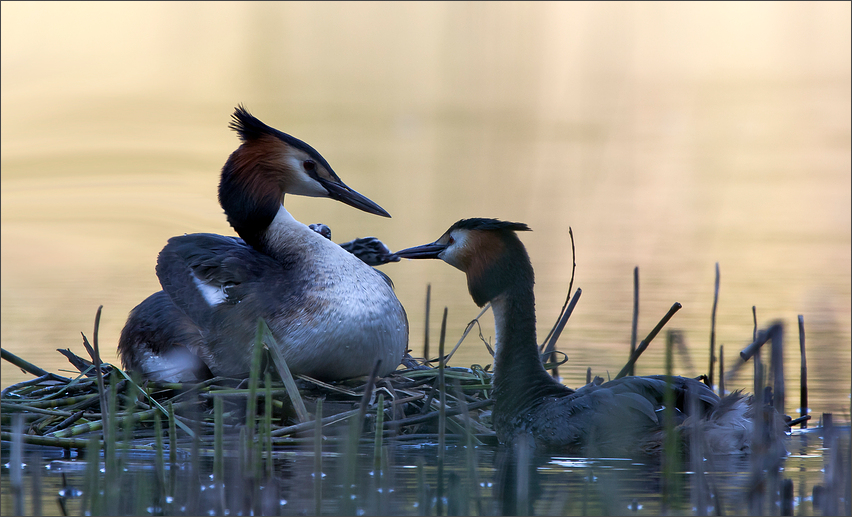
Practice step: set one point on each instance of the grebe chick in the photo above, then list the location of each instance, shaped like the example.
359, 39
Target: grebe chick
370, 250
620, 417
332, 315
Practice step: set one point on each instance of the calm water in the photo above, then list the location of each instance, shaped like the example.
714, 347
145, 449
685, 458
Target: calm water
563, 486
668, 137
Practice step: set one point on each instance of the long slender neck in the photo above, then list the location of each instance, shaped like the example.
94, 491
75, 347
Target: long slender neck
250, 200
519, 377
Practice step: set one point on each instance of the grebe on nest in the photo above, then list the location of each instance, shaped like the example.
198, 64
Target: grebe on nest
332, 315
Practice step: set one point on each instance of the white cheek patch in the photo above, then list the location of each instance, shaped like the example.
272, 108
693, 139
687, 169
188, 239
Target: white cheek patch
299, 183
213, 295
454, 254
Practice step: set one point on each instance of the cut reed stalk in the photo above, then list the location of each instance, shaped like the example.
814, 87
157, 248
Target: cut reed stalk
777, 367
757, 481
426, 323
550, 348
647, 341
712, 368
803, 384
24, 365
669, 490
754, 319
635, 322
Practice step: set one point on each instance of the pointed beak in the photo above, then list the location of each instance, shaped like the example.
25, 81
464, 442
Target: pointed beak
422, 252
344, 194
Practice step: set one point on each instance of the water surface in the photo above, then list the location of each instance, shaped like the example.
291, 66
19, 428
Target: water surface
668, 137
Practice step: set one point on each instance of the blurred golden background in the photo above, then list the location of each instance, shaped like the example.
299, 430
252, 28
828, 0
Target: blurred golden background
669, 136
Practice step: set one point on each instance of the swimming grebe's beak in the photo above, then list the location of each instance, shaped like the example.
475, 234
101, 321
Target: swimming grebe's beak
422, 252
344, 194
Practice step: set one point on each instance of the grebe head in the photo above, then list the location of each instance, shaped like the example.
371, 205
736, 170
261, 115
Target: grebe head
487, 250
269, 164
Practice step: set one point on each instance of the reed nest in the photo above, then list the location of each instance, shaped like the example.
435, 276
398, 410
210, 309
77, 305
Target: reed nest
63, 412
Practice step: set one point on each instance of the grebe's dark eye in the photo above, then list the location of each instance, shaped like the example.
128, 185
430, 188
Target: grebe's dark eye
309, 165
451, 241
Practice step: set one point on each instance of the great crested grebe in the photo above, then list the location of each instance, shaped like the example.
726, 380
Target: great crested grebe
332, 315
620, 417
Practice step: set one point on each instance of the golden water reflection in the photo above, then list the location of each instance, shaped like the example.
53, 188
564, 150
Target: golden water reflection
667, 136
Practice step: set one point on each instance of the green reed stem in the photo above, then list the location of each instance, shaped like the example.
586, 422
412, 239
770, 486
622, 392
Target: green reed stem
154, 403
218, 438
470, 450
110, 439
91, 492
285, 374
42, 404
172, 451
377, 444
130, 419
159, 467
251, 411
318, 458
267, 424
442, 414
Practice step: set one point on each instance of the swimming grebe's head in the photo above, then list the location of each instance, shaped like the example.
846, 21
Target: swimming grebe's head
487, 250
